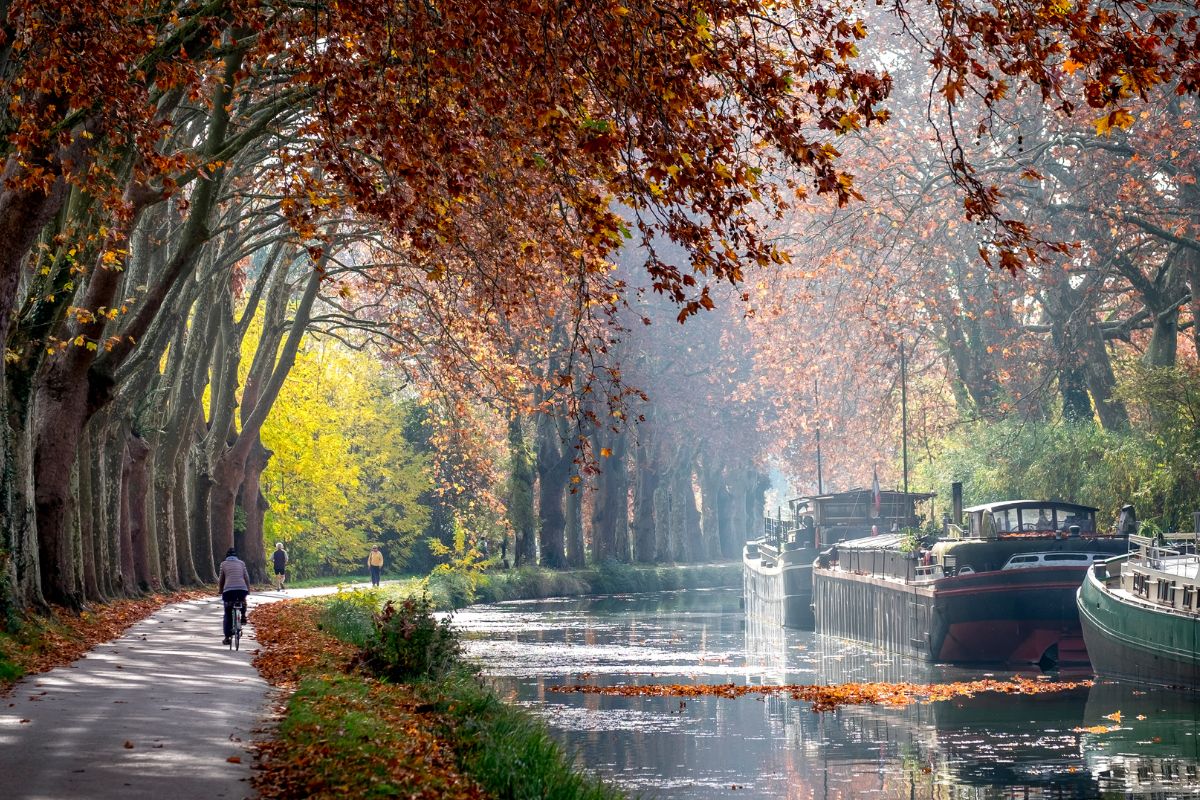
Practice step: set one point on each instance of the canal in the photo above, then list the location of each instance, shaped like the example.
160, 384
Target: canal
1070, 744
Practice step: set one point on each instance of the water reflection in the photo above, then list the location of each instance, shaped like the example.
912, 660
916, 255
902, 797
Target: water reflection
988, 746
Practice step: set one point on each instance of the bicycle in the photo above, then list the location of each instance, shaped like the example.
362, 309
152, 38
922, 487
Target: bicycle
235, 626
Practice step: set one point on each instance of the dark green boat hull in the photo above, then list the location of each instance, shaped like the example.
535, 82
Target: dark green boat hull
1136, 641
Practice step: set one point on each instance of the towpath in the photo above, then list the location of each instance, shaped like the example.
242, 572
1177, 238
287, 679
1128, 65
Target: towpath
165, 711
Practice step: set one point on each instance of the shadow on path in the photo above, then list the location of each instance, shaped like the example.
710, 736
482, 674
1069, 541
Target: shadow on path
157, 713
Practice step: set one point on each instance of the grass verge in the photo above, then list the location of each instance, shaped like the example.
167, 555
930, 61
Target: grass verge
347, 733
37, 643
454, 590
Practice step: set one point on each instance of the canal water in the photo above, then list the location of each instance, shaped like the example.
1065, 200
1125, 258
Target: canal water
988, 746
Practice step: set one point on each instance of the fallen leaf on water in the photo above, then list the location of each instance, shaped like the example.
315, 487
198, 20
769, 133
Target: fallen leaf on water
826, 698
1140, 717
128, 745
1115, 716
234, 759
1096, 729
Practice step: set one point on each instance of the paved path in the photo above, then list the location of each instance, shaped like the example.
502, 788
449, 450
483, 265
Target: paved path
155, 714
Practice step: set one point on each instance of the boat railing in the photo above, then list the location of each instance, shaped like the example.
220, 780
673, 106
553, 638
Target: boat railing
955, 531
1163, 570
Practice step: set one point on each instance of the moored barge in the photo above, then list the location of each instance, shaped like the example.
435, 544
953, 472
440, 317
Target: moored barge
1141, 613
1000, 591
777, 568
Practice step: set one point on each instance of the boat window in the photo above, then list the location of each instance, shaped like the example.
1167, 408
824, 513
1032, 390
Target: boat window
1077, 557
1005, 521
1037, 519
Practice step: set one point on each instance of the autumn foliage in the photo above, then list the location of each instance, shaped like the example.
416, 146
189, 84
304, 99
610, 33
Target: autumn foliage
830, 697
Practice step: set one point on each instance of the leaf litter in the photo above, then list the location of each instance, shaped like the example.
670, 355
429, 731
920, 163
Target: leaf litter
830, 697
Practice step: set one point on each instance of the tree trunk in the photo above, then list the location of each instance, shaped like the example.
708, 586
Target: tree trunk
739, 521
576, 553
254, 507
710, 520
553, 469
520, 494
732, 539
663, 552
685, 519
610, 506
135, 491
87, 527
116, 511
198, 525
646, 480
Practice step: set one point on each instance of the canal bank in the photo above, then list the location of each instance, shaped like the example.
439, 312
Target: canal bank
379, 704
456, 589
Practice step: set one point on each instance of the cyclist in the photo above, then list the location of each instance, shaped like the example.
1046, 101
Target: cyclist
234, 585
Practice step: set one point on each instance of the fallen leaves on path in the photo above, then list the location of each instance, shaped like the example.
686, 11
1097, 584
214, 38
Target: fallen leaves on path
345, 735
43, 642
827, 698
291, 643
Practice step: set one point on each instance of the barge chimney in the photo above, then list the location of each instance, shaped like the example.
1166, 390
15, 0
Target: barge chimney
956, 502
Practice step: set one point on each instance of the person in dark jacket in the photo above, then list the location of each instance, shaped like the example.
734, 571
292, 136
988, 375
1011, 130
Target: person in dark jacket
279, 560
234, 585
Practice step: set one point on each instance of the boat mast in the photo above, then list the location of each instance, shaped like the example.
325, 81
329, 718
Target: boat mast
904, 412
816, 402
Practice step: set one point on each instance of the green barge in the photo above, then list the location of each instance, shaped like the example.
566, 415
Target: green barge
1140, 613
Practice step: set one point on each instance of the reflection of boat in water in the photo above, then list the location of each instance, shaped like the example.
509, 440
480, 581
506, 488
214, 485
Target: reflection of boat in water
1141, 613
1002, 591
1026, 745
778, 567
1153, 751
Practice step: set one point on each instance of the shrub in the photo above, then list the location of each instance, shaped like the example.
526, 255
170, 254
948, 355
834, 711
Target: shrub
409, 642
350, 616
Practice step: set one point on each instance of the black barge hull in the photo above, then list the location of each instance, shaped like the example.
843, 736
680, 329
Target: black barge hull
1024, 616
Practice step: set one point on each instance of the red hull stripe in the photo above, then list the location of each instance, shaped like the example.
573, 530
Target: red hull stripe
1022, 587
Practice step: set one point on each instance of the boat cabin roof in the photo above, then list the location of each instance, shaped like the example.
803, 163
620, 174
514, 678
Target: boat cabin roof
916, 497
884, 541
1004, 505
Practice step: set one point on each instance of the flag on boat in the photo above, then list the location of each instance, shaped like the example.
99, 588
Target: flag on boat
876, 498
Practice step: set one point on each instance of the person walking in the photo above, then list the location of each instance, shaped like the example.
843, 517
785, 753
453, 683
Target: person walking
234, 585
375, 562
279, 560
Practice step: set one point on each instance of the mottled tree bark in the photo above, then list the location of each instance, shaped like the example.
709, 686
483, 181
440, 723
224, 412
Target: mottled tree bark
553, 470
92, 561
135, 491
520, 494
254, 507
610, 504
